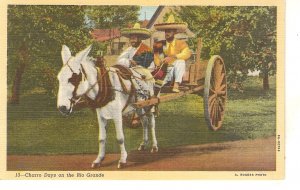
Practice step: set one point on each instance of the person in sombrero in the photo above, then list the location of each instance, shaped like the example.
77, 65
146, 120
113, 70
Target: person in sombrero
138, 54
175, 51
139, 57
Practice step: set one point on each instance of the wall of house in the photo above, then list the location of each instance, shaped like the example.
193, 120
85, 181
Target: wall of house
117, 46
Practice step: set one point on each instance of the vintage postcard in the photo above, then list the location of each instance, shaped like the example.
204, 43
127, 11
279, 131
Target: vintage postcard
142, 90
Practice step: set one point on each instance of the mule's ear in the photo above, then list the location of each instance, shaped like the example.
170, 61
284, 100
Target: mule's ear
83, 54
65, 54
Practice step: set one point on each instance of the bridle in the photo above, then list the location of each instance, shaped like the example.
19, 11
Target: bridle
75, 81
82, 76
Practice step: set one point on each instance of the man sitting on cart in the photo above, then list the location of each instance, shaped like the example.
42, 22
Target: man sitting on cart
138, 57
138, 54
174, 52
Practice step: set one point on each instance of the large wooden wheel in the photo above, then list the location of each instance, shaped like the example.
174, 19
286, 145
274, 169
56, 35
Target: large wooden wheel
215, 92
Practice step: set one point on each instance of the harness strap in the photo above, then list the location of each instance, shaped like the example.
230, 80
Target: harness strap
105, 88
83, 71
132, 92
105, 93
122, 83
124, 71
126, 74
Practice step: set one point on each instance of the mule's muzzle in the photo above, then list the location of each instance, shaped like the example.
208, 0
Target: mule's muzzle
63, 110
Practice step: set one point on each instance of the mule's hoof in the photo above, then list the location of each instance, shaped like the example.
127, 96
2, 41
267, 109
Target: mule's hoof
121, 165
95, 165
142, 147
154, 149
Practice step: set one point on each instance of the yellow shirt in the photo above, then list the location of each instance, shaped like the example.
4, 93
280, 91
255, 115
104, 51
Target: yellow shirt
178, 48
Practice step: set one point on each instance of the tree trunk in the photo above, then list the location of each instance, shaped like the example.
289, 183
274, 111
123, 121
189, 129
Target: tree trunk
17, 84
266, 85
23, 60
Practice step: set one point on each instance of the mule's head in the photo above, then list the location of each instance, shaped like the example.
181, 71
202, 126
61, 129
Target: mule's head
69, 77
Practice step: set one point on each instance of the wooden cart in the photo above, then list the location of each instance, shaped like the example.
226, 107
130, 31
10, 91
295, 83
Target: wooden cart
207, 78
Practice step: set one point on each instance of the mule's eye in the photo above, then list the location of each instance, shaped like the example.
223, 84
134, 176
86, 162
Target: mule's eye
75, 79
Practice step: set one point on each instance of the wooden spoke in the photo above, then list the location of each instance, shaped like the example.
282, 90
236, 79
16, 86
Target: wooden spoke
223, 98
221, 88
218, 66
213, 110
211, 104
212, 97
219, 80
217, 70
219, 108
221, 92
212, 91
221, 105
212, 84
218, 116
215, 117
221, 111
212, 101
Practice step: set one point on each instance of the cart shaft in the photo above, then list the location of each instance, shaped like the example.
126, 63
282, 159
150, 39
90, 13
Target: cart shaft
165, 98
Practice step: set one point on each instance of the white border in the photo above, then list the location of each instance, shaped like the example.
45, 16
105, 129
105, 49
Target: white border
292, 137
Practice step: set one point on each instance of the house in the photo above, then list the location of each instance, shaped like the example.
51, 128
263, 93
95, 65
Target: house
113, 36
118, 43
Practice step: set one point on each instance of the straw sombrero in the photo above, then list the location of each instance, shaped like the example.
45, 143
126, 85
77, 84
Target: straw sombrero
142, 32
171, 24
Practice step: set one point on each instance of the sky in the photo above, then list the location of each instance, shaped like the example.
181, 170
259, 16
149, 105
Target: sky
149, 10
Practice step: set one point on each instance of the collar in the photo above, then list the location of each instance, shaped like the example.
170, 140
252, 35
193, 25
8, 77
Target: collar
172, 43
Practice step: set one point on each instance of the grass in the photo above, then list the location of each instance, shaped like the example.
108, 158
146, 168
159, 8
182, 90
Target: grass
36, 127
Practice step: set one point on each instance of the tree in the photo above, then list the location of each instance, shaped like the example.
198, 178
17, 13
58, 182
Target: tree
112, 17
36, 34
244, 36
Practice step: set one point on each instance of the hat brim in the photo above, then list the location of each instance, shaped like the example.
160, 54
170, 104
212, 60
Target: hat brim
179, 27
142, 33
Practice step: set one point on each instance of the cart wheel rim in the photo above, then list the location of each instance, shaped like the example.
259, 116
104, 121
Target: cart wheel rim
215, 92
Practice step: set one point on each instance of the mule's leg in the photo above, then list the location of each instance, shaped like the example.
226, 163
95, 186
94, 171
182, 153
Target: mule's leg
145, 141
102, 140
152, 127
120, 140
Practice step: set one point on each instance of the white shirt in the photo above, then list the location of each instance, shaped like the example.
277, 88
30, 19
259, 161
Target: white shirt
128, 53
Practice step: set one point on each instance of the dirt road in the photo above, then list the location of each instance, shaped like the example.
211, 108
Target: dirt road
247, 155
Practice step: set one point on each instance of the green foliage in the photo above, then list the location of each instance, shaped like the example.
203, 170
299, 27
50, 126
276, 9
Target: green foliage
244, 36
36, 127
177, 18
111, 16
44, 29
